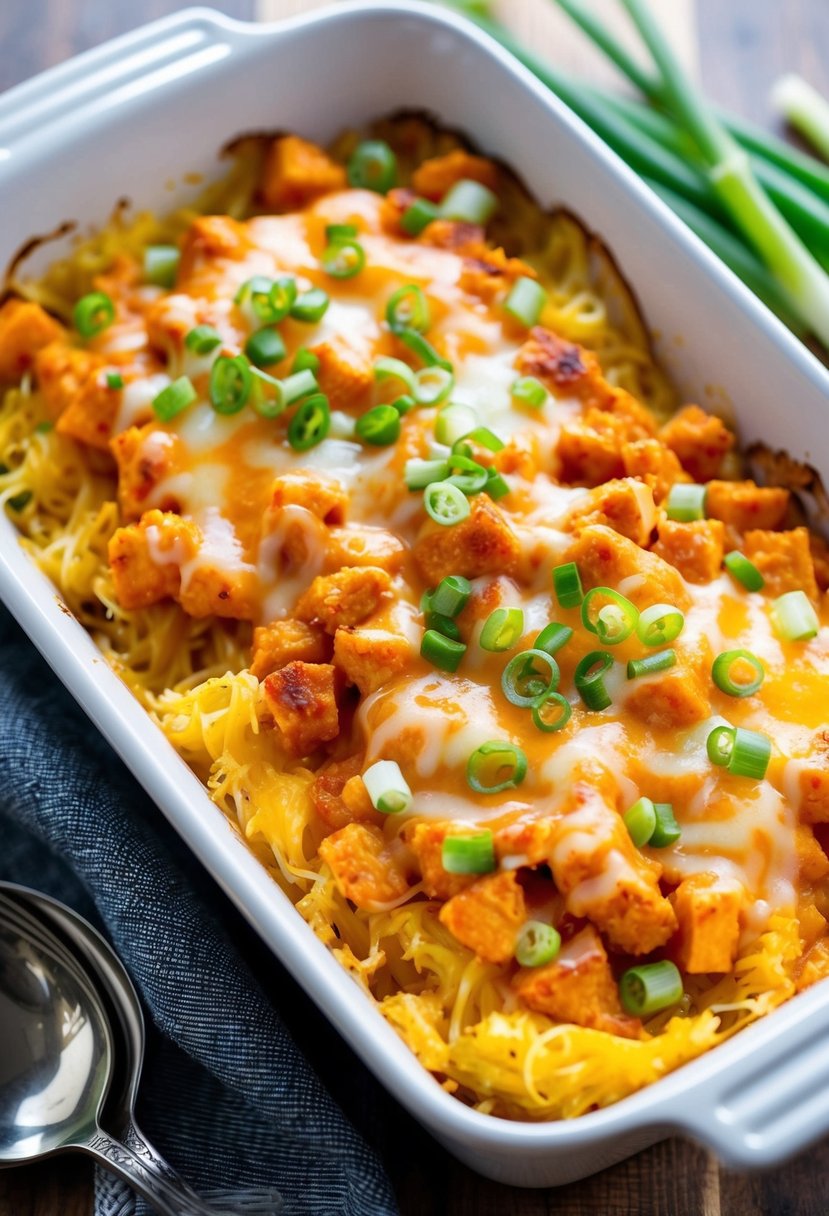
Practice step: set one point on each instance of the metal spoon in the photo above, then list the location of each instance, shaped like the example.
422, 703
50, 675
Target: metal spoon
57, 1060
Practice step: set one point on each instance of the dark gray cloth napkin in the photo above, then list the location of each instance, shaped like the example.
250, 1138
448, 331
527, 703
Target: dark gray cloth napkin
228, 1097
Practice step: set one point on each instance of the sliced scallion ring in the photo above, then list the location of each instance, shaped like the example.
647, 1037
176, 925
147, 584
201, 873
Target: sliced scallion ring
432, 385
667, 830
385, 368
93, 313
343, 260
454, 422
502, 629
551, 713
649, 988
387, 787
421, 347
379, 426
173, 399
659, 625
496, 766
469, 201
451, 595
743, 570
310, 423
567, 585
537, 944
419, 473
161, 264
525, 302
640, 821
203, 339
728, 667
523, 684
408, 307
530, 392
613, 621
231, 381
441, 651
589, 679
794, 617
686, 502
468, 854
467, 475
553, 637
445, 503
660, 660
373, 166
418, 216
311, 306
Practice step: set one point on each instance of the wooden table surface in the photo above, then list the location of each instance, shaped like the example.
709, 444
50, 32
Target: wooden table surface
737, 47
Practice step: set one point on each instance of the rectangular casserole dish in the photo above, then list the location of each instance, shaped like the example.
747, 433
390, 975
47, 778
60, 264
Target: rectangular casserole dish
193, 82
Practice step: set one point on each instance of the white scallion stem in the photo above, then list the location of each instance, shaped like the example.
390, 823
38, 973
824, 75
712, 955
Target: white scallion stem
805, 108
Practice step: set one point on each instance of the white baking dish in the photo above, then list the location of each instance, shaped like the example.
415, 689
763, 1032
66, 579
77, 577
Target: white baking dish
126, 118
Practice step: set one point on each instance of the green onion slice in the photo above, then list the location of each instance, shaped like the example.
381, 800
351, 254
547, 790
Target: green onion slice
537, 944
174, 398
305, 361
468, 854
373, 166
481, 435
659, 624
523, 684
525, 302
640, 821
496, 487
530, 392
660, 660
614, 621
231, 381
451, 595
467, 474
421, 347
442, 624
310, 423
469, 201
379, 426
418, 216
161, 264
686, 502
203, 339
667, 830
553, 637
567, 585
794, 617
93, 313
404, 404
270, 299
419, 474
453, 423
340, 232
385, 368
743, 570
496, 766
746, 753
387, 787
649, 988
502, 629
589, 679
408, 306
18, 502
311, 306
723, 673
114, 380
343, 260
432, 385
445, 503
551, 713
265, 347
442, 652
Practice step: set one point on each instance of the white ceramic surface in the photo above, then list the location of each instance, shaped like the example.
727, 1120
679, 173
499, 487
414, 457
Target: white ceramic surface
129, 116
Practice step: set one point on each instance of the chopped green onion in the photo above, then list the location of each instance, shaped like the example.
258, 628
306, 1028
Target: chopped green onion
467, 475
502, 629
745, 752
343, 260
432, 385
203, 339
342, 425
723, 669
340, 232
18, 501
794, 617
567, 585
660, 660
387, 787
299, 384
373, 166
614, 621
267, 407
530, 392
537, 944
265, 347
93, 313
640, 821
454, 422
589, 679
745, 572
305, 361
442, 624
421, 473
659, 624
44, 427
311, 306
421, 347
468, 854
270, 299
161, 264
442, 652
469, 201
551, 713
230, 383
174, 398
379, 426
525, 302
804, 108
649, 988
720, 745
553, 637
408, 306
496, 487
418, 216
488, 764
667, 830
310, 423
686, 502
451, 595
523, 685
114, 380
403, 404
386, 368
445, 503
481, 435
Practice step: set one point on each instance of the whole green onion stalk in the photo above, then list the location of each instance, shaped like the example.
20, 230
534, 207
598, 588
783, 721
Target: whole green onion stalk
805, 108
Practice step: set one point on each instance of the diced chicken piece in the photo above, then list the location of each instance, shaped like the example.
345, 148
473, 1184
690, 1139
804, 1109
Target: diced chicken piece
301, 697
25, 328
625, 505
598, 870
344, 598
695, 548
784, 559
364, 546
287, 641
589, 456
145, 456
146, 569
483, 543
435, 176
700, 440
425, 839
578, 988
89, 415
363, 869
606, 559
653, 463
707, 910
672, 698
210, 238
488, 273
369, 658
61, 373
321, 494
339, 795
744, 505
296, 172
170, 318
568, 370
812, 862
393, 207
813, 781
487, 916
455, 235
346, 372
